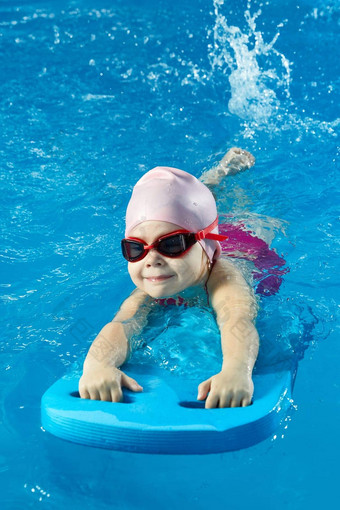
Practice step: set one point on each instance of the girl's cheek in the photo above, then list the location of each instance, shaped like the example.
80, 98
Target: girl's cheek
133, 272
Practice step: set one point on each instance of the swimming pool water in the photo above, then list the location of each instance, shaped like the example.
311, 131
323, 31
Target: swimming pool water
93, 95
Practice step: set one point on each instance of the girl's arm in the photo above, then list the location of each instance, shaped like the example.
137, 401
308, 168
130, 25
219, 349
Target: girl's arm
102, 379
235, 307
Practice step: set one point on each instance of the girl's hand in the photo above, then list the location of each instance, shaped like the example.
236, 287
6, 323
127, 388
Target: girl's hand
105, 383
229, 388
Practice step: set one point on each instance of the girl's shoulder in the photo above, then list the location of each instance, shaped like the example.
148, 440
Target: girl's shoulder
224, 273
223, 267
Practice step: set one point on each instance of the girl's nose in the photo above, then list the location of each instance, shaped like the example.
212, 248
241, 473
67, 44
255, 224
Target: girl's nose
153, 258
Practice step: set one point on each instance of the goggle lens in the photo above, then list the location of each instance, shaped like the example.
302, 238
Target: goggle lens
132, 250
173, 245
169, 246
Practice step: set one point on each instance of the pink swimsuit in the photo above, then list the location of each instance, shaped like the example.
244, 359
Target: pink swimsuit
243, 244
172, 301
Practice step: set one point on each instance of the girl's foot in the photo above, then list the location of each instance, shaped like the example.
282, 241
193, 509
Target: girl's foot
236, 160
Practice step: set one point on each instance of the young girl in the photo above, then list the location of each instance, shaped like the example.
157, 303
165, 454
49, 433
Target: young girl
172, 244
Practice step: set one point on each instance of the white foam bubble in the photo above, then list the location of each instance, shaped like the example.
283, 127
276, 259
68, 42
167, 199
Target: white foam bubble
257, 71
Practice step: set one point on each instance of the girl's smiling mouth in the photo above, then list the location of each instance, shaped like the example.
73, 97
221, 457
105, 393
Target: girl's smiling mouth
155, 279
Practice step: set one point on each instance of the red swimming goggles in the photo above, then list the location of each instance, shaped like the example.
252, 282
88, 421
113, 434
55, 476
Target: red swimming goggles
174, 245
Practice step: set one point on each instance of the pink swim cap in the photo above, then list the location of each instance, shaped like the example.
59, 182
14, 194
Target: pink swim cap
172, 195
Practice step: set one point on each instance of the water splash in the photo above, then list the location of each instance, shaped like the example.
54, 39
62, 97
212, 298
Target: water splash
258, 72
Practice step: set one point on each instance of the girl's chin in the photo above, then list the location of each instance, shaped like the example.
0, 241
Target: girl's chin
160, 290
161, 293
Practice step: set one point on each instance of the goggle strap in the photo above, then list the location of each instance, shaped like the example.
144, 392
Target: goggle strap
216, 237
206, 233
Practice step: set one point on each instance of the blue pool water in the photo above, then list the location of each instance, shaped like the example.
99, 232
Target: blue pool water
93, 95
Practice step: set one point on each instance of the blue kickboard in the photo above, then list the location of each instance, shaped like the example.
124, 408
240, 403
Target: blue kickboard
166, 418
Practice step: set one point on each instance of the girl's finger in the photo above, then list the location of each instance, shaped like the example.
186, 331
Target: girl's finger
240, 400
212, 401
116, 395
94, 394
105, 394
245, 402
225, 401
130, 383
235, 402
84, 393
203, 389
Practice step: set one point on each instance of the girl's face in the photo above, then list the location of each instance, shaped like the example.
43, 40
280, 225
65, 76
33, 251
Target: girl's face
160, 276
